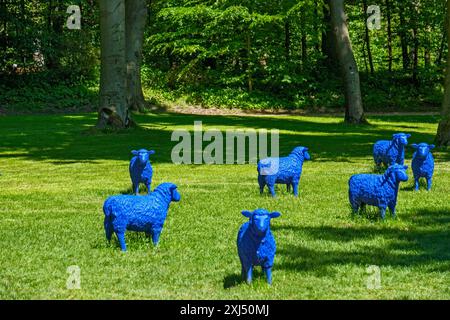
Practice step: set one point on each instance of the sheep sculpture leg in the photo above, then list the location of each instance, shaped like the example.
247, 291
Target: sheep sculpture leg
383, 211
148, 187
416, 184
272, 190
429, 183
136, 188
249, 274
121, 237
261, 184
268, 272
295, 187
108, 229
355, 205
391, 207
156, 232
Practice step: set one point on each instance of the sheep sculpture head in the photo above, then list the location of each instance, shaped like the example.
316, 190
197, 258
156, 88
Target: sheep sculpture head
143, 155
401, 138
260, 220
302, 153
170, 189
397, 172
422, 149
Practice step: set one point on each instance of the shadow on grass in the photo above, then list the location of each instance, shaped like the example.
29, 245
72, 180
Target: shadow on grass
64, 162
425, 242
133, 239
232, 280
142, 190
65, 139
235, 279
409, 186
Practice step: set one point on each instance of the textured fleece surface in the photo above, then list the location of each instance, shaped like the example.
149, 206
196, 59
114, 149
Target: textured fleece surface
423, 164
378, 190
288, 170
139, 213
141, 169
256, 244
391, 152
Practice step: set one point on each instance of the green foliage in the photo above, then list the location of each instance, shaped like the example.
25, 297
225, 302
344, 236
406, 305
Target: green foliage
382, 92
34, 36
34, 93
227, 53
238, 54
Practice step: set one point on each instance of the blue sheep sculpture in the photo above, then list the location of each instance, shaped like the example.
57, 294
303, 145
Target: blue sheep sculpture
285, 170
423, 164
139, 213
391, 152
256, 244
378, 190
141, 169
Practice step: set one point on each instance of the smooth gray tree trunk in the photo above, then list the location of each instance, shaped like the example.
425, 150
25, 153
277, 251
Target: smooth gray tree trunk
113, 111
135, 20
443, 132
354, 112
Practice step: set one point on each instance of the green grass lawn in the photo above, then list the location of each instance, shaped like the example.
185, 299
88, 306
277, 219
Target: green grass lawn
55, 175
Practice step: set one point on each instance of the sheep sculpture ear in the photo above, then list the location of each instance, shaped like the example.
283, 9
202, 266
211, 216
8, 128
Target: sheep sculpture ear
414, 146
134, 152
431, 146
408, 135
151, 152
274, 214
247, 214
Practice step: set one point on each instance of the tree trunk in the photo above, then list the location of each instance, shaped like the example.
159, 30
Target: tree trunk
443, 38
23, 23
443, 132
287, 39
249, 64
304, 49
113, 111
363, 51
367, 39
389, 34
354, 112
441, 48
415, 54
55, 25
303, 41
403, 40
135, 20
328, 41
317, 27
